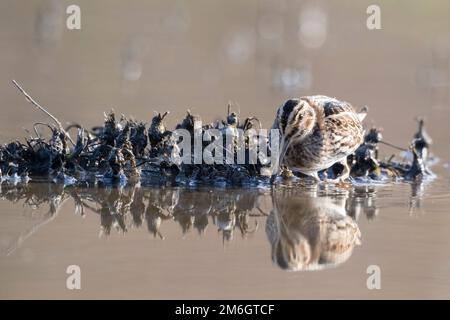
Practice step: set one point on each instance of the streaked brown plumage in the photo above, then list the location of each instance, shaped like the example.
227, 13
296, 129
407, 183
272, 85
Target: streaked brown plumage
317, 132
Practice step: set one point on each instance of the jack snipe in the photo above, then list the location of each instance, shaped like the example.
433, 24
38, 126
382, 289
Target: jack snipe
317, 132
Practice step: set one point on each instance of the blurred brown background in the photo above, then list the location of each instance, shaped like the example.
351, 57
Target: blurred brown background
139, 56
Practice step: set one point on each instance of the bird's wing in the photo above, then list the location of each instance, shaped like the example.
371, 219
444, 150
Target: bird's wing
341, 125
344, 133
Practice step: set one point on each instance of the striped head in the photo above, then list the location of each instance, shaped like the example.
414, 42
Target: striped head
295, 118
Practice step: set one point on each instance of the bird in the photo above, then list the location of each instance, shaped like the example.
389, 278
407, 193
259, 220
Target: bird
316, 132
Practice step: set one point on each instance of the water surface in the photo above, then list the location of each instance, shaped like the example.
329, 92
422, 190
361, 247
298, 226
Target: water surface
291, 241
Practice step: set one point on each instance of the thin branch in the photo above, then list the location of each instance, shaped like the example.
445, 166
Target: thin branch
393, 146
38, 106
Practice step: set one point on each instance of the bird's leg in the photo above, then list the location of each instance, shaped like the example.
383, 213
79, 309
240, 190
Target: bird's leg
315, 175
346, 172
344, 175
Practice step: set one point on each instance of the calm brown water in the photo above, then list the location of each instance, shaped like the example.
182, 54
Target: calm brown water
137, 242
141, 56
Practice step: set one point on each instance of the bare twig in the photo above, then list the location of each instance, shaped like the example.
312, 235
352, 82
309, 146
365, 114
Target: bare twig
393, 146
165, 114
38, 106
41, 124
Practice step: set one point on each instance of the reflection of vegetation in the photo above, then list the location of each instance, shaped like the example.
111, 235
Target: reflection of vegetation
123, 208
309, 227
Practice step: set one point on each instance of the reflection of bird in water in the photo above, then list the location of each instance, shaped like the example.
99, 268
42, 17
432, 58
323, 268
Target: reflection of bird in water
317, 132
310, 233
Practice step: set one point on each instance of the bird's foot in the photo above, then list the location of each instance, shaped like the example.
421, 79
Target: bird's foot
315, 176
339, 182
343, 179
335, 180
